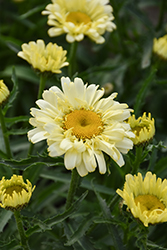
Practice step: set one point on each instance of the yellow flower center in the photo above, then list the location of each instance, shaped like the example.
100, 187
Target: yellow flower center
149, 203
17, 189
78, 17
84, 123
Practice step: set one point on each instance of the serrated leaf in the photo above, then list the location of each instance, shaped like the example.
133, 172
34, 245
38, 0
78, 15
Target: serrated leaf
113, 231
80, 231
47, 224
82, 243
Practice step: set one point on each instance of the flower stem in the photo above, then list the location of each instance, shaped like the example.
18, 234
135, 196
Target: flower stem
41, 85
72, 59
73, 187
137, 161
161, 15
23, 238
5, 135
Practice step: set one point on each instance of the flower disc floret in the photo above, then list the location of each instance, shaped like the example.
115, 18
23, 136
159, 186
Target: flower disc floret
145, 198
143, 128
15, 193
50, 58
4, 92
160, 47
80, 125
80, 18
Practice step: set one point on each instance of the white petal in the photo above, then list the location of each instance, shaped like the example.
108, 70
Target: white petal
89, 161
35, 135
101, 162
82, 171
70, 159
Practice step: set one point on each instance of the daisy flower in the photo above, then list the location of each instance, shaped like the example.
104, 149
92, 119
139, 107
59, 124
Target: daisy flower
4, 92
79, 18
143, 128
80, 125
160, 47
15, 193
145, 198
50, 57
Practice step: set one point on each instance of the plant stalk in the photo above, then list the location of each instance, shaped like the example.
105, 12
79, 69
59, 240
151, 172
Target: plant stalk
137, 161
5, 135
23, 238
72, 59
75, 180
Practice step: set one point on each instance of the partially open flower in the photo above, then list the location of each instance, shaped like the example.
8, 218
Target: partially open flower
80, 18
146, 199
15, 193
4, 92
50, 58
143, 128
160, 47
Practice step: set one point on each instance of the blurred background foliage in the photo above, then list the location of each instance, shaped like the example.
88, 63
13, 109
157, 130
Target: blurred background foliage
126, 61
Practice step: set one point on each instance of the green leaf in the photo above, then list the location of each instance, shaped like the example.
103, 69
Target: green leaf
85, 184
10, 121
49, 223
32, 11
82, 243
13, 93
5, 170
32, 172
143, 91
5, 216
21, 131
113, 231
84, 226
22, 72
155, 246
12, 245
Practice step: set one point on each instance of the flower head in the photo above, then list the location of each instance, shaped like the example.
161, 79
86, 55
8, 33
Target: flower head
77, 123
143, 128
4, 92
15, 193
146, 199
80, 18
160, 47
44, 58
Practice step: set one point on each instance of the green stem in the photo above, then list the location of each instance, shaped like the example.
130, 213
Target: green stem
41, 85
72, 59
23, 238
5, 135
73, 187
40, 91
138, 160
161, 15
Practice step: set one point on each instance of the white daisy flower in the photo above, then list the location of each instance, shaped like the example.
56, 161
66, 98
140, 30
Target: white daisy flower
76, 122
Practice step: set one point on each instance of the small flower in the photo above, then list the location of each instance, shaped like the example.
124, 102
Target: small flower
49, 58
15, 193
80, 18
146, 199
143, 128
160, 47
77, 123
4, 92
